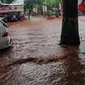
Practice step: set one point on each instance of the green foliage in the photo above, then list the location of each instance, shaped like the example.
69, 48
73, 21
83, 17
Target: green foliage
49, 3
49, 13
9, 1
29, 4
6, 1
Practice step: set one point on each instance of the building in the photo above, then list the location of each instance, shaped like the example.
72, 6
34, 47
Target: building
11, 12
11, 8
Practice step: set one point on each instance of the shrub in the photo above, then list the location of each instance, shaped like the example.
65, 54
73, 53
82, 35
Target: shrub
49, 13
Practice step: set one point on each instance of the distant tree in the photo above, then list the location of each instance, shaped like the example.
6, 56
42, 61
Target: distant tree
29, 4
6, 1
51, 3
9, 1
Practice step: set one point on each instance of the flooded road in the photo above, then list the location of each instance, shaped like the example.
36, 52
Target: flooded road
36, 58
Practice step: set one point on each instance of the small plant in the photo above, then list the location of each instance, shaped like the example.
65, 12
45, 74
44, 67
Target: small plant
49, 13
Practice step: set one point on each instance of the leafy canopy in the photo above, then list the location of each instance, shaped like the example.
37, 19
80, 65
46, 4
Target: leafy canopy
49, 3
6, 1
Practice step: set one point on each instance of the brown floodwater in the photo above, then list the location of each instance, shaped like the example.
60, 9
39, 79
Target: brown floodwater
36, 58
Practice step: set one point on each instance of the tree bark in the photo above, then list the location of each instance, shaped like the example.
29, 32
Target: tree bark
70, 32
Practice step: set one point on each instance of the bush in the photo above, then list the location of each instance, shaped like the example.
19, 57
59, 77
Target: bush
49, 13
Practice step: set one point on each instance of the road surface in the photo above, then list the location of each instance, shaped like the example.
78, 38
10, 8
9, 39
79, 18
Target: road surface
36, 57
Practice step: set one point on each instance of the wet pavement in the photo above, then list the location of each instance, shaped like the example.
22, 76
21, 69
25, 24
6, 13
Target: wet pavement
36, 58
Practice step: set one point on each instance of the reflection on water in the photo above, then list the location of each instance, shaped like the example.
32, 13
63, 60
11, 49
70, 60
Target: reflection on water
73, 69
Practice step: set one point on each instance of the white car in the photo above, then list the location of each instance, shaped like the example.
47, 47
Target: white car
5, 40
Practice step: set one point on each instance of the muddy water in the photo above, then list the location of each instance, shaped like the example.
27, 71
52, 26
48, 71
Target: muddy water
36, 58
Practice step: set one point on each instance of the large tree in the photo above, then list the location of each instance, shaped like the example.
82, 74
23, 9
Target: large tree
70, 33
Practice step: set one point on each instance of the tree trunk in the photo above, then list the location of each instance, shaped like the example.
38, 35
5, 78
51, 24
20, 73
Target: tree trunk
70, 33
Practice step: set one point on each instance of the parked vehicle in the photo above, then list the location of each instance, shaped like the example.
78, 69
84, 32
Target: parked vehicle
5, 40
